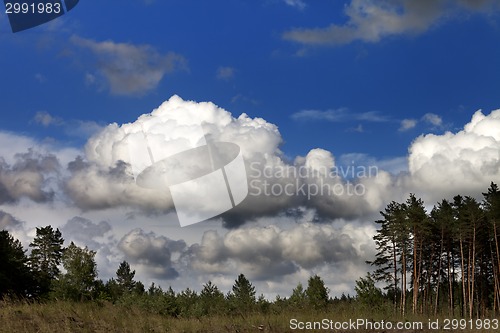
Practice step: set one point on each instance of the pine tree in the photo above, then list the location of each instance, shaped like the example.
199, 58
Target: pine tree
317, 293
46, 256
125, 277
366, 291
389, 257
418, 224
243, 293
212, 299
472, 216
188, 303
451, 255
442, 242
15, 276
298, 298
491, 206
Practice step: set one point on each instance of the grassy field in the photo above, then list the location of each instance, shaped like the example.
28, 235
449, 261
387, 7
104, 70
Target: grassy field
106, 317
92, 317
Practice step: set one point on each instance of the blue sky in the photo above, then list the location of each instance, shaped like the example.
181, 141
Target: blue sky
376, 82
451, 69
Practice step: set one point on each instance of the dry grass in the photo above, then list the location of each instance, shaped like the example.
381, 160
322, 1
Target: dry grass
106, 317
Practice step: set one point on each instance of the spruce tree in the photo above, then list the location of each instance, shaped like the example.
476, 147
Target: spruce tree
317, 293
212, 299
243, 293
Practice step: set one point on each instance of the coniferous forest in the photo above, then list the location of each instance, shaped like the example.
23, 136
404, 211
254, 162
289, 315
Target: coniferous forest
439, 263
447, 261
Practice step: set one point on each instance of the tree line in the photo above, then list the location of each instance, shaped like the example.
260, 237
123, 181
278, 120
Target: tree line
443, 261
38, 277
446, 261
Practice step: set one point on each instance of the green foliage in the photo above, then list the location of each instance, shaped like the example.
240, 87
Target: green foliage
111, 291
125, 277
47, 251
79, 281
280, 305
139, 288
15, 276
317, 293
263, 305
188, 304
45, 257
123, 284
491, 204
298, 299
243, 294
211, 299
445, 261
154, 301
387, 241
367, 293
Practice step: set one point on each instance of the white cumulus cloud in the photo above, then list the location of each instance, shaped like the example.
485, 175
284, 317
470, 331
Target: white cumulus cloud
458, 163
276, 239
105, 178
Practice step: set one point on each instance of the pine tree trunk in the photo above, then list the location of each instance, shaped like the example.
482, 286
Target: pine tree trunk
428, 290
496, 299
395, 259
436, 303
452, 293
472, 277
462, 270
403, 283
450, 282
496, 273
414, 273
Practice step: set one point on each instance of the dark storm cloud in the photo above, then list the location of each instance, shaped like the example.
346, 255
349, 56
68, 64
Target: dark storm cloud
151, 253
270, 253
84, 231
9, 222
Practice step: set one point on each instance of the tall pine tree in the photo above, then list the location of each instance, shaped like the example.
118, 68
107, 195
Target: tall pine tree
46, 255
